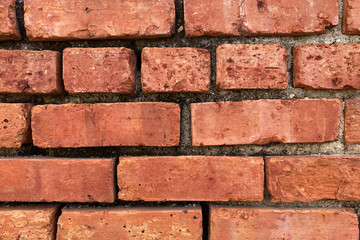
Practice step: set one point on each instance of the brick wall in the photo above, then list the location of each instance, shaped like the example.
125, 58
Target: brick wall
179, 119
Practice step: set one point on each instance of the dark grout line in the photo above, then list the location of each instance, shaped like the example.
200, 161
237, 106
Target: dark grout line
205, 209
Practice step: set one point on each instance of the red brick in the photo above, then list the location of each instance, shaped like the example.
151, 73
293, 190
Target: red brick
96, 70
265, 121
270, 223
255, 66
313, 178
56, 180
9, 29
351, 19
107, 19
175, 70
352, 121
130, 223
14, 124
106, 124
255, 17
36, 72
28, 222
327, 66
191, 178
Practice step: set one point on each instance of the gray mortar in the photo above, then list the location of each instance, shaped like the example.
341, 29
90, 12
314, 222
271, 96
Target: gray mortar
332, 36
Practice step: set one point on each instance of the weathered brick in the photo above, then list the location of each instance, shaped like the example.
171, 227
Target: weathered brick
351, 19
9, 29
191, 178
83, 19
251, 66
14, 124
327, 66
258, 17
352, 121
264, 121
106, 124
175, 70
89, 70
30, 72
130, 223
313, 178
28, 222
56, 180
261, 223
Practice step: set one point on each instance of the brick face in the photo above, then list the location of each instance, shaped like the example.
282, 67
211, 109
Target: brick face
351, 19
106, 124
82, 19
14, 124
34, 72
265, 121
130, 223
352, 122
9, 29
98, 70
191, 178
324, 66
175, 70
254, 17
261, 223
255, 66
56, 180
307, 179
28, 222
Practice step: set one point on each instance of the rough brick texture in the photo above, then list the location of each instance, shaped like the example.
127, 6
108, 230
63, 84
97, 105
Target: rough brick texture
265, 121
56, 180
351, 19
352, 122
313, 178
130, 223
191, 178
98, 70
260, 223
255, 17
28, 222
14, 124
323, 66
83, 19
30, 72
106, 124
255, 66
175, 70
9, 29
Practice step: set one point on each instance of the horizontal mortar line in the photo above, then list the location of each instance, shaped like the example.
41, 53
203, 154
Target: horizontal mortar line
324, 204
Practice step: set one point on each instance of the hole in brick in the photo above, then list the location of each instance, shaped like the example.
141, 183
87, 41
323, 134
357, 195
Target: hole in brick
5, 120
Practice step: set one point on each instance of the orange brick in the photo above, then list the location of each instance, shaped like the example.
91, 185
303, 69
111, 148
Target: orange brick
258, 17
313, 178
14, 124
28, 222
351, 19
251, 66
191, 178
97, 70
175, 70
33, 72
327, 66
82, 19
9, 29
106, 124
352, 121
260, 223
130, 223
265, 121
56, 180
